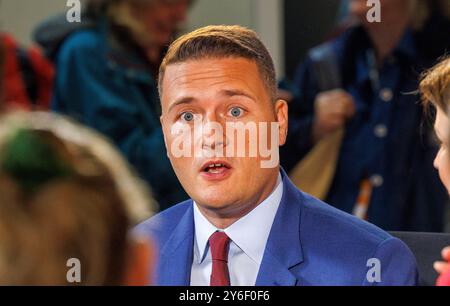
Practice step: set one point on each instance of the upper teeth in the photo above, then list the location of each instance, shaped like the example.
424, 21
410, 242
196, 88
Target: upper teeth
215, 165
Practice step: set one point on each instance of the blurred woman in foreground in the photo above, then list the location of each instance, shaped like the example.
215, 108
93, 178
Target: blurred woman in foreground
435, 89
67, 196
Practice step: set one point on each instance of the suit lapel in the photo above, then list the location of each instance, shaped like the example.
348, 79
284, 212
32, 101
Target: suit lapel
177, 254
283, 249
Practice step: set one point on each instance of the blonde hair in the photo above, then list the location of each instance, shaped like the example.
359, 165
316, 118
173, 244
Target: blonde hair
84, 213
435, 85
136, 194
222, 41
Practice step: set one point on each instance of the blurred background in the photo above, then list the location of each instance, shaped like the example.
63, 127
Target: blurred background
88, 127
273, 20
102, 73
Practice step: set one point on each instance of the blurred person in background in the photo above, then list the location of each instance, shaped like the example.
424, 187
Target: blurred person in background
435, 89
26, 75
67, 193
106, 71
384, 168
2, 67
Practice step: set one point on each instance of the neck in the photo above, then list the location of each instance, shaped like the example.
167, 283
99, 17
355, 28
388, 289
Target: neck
224, 217
385, 36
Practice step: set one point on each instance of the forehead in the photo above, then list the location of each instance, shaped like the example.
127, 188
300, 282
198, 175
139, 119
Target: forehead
208, 76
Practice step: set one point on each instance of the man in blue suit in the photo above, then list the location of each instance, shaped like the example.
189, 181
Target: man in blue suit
247, 224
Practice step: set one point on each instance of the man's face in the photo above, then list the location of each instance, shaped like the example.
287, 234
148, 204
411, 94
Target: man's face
221, 91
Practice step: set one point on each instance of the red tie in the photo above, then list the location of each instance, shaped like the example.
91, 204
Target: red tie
218, 243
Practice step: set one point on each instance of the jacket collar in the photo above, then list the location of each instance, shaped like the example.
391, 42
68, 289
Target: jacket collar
283, 250
177, 254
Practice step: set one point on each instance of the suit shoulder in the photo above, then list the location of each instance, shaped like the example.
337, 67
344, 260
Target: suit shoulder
347, 245
337, 223
164, 222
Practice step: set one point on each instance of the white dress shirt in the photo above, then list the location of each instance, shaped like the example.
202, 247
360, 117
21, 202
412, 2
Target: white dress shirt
248, 241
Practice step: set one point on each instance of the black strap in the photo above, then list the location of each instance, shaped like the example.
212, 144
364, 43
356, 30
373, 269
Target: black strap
28, 74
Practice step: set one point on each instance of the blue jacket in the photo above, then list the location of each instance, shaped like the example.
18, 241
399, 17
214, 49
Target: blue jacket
310, 243
111, 88
388, 140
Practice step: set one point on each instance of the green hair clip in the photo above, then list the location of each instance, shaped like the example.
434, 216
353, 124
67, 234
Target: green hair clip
32, 161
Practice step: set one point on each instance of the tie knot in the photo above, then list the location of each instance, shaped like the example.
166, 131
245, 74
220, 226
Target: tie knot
218, 243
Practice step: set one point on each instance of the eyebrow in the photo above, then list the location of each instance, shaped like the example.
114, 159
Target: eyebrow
226, 92
236, 92
184, 100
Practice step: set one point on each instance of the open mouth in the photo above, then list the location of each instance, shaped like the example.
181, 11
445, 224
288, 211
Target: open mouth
215, 167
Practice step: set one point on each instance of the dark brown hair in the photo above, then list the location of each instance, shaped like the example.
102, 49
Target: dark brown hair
221, 42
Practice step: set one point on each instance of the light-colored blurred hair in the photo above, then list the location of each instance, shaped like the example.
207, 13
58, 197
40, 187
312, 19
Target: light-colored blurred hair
222, 41
135, 192
435, 86
85, 213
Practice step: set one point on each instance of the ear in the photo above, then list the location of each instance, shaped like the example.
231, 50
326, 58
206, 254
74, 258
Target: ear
281, 112
140, 263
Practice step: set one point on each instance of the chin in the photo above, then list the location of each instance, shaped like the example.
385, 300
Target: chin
214, 200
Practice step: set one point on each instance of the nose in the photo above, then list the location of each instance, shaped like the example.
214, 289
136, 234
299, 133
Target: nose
436, 161
212, 134
212, 143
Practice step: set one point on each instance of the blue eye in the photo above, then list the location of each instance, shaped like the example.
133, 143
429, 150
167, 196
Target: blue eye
236, 112
187, 116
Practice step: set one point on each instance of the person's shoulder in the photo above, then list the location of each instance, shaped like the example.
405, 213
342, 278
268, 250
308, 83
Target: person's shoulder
164, 223
346, 246
86, 43
337, 224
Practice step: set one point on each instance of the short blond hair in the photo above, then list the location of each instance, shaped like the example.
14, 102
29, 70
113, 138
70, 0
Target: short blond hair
221, 41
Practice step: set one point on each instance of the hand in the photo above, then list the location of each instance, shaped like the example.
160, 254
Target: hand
331, 111
443, 266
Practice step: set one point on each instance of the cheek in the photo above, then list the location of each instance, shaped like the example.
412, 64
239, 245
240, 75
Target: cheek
442, 163
178, 140
438, 160
441, 157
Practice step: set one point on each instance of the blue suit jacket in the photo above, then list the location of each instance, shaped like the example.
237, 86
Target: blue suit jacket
310, 243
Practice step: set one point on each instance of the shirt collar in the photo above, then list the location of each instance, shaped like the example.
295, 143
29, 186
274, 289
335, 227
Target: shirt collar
253, 242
